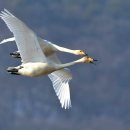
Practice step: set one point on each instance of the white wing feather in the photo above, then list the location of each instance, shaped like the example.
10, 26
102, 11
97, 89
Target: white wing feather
8, 40
60, 80
25, 38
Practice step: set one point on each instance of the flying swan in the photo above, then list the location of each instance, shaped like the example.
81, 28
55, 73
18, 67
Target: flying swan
47, 47
36, 61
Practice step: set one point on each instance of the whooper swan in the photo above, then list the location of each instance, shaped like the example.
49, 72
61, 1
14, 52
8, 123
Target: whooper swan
47, 47
34, 61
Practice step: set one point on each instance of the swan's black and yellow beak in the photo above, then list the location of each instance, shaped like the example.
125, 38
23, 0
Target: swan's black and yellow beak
82, 53
91, 60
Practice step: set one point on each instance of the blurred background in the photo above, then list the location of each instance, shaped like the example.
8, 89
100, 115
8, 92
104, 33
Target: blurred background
100, 94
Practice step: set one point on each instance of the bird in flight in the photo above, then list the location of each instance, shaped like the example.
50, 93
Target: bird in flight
38, 57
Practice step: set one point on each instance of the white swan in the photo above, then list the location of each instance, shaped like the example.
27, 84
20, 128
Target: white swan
35, 63
47, 47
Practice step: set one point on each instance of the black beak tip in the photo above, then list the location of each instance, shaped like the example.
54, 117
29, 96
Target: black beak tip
93, 63
86, 54
95, 60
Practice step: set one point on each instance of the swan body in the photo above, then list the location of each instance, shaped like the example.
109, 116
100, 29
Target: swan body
37, 60
36, 69
33, 69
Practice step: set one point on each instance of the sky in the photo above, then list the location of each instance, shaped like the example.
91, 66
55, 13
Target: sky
99, 93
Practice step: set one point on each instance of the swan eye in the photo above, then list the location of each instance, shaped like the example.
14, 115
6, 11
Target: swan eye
82, 52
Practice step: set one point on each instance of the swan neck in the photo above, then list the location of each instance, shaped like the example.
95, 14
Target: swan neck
61, 66
65, 49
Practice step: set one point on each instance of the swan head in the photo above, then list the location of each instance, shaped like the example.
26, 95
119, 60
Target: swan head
88, 59
80, 52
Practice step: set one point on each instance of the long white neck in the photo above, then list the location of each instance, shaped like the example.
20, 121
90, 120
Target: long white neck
61, 66
64, 49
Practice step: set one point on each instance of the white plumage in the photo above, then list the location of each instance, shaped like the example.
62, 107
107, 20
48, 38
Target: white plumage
39, 58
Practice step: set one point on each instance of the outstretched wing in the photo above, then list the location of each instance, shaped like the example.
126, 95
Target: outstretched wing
25, 38
8, 40
60, 81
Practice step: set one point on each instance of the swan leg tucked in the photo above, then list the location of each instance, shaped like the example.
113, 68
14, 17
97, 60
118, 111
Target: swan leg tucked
15, 54
14, 70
